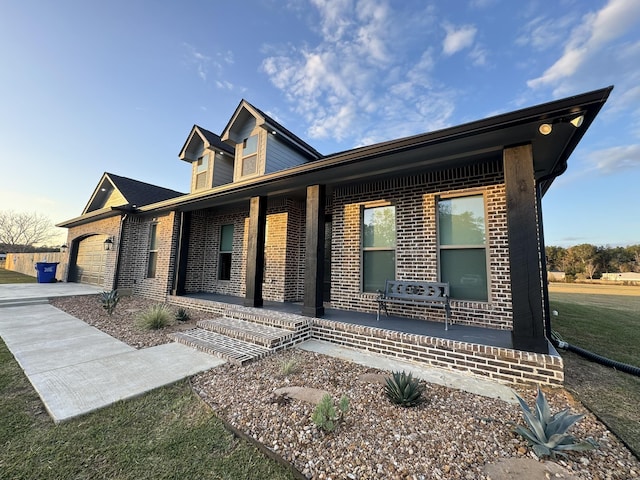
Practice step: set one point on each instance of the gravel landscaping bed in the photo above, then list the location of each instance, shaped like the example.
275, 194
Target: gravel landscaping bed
452, 435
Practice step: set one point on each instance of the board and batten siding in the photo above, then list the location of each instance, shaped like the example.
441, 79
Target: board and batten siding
280, 156
222, 170
116, 199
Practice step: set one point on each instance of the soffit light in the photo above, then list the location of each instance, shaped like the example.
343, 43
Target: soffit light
545, 128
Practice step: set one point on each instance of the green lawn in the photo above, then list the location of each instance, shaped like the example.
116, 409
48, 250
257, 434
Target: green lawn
610, 326
9, 276
166, 434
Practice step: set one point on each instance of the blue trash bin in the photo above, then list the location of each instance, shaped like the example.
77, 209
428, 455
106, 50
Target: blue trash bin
46, 272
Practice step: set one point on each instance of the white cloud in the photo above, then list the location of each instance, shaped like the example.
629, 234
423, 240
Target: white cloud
349, 87
589, 38
199, 60
615, 159
458, 38
544, 33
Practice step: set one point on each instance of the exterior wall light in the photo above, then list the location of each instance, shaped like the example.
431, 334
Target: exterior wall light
577, 122
63, 248
108, 244
545, 128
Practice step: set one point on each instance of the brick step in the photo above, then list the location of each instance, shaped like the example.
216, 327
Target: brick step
287, 321
23, 302
235, 351
260, 334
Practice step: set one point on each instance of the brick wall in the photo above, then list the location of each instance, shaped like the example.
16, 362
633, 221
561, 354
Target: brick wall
414, 199
135, 255
204, 248
501, 364
284, 251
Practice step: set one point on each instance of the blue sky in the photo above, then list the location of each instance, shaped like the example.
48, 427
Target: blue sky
88, 87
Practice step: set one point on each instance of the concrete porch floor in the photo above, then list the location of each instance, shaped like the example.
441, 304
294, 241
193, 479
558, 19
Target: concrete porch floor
462, 333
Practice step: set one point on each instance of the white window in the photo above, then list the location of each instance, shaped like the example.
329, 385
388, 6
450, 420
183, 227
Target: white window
202, 168
153, 251
249, 156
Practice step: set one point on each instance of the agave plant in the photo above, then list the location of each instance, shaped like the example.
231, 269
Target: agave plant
182, 315
109, 300
547, 433
403, 389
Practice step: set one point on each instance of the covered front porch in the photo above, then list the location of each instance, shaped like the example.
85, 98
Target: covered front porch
483, 352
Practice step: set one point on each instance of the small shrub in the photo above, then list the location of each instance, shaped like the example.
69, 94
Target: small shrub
547, 434
109, 300
182, 315
289, 367
326, 417
154, 318
403, 389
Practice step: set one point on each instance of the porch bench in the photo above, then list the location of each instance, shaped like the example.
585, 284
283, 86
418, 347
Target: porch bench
417, 293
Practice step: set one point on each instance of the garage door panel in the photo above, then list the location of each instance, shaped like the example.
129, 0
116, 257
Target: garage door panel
91, 260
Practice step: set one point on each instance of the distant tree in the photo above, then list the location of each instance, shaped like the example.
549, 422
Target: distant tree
580, 255
634, 250
555, 258
19, 231
590, 269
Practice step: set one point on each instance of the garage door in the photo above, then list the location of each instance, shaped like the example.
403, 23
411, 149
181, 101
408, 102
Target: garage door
91, 260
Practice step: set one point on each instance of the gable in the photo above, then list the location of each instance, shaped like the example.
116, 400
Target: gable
116, 191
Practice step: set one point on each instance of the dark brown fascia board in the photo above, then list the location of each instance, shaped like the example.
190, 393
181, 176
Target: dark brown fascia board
91, 217
589, 103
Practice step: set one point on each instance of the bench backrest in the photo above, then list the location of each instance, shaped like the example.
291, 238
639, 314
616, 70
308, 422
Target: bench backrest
416, 290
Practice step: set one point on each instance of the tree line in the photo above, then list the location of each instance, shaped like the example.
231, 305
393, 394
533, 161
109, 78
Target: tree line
592, 261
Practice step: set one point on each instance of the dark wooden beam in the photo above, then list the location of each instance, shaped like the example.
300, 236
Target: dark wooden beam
182, 254
314, 252
524, 254
255, 252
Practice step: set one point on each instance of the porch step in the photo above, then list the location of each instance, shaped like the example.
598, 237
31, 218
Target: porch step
23, 302
234, 350
271, 318
260, 334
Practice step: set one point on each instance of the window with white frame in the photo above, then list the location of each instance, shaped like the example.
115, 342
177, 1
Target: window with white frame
462, 246
153, 251
226, 252
378, 247
249, 155
202, 168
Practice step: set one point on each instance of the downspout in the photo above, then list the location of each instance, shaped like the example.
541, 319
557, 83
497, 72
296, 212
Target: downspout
116, 274
543, 265
594, 357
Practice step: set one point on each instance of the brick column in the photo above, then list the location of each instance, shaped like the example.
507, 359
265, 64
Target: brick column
314, 252
255, 252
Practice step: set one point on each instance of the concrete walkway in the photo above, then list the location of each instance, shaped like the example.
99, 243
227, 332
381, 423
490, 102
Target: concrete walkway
76, 368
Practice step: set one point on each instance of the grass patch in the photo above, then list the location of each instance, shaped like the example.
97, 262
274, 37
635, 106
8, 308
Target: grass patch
167, 433
609, 326
9, 276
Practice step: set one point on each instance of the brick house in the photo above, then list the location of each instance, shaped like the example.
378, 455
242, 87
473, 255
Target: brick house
269, 220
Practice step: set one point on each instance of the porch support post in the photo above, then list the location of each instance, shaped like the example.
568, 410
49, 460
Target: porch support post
314, 252
524, 254
182, 254
255, 252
